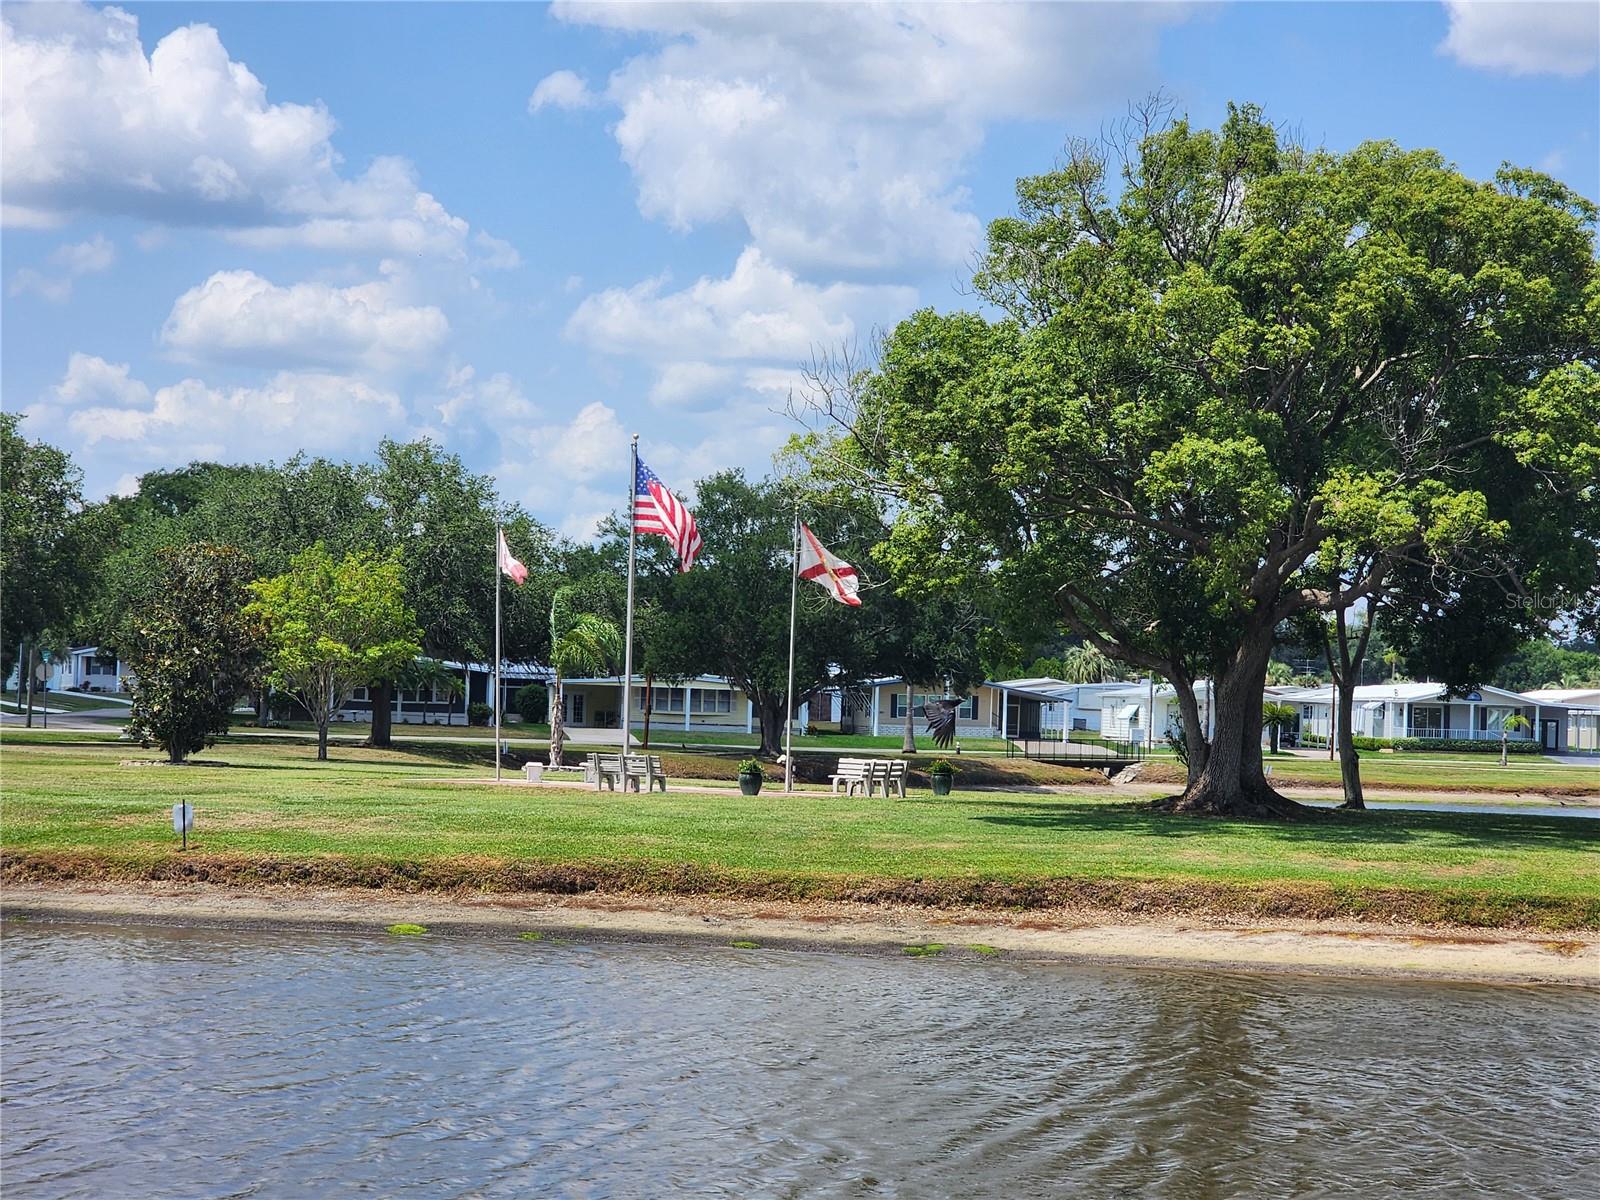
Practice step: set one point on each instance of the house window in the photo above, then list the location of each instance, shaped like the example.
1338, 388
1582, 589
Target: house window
662, 699
710, 700
897, 705
359, 693
1427, 720
575, 708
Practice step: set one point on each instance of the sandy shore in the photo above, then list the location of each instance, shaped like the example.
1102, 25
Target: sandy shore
1321, 948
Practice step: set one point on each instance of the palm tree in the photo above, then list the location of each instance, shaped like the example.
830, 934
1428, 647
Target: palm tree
1277, 717
580, 644
1279, 673
1085, 664
1511, 723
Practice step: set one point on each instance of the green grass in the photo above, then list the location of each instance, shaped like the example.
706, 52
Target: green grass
1463, 772
406, 929
414, 817
65, 701
666, 735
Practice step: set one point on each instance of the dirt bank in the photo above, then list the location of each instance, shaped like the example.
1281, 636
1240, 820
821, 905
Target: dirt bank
1323, 948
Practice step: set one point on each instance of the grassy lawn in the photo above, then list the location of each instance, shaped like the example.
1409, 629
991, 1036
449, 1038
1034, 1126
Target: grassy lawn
1464, 772
415, 818
64, 701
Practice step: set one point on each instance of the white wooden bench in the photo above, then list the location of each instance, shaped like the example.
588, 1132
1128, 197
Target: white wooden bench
892, 774
643, 771
853, 773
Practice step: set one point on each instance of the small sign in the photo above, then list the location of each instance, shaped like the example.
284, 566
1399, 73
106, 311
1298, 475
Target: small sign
41, 672
182, 818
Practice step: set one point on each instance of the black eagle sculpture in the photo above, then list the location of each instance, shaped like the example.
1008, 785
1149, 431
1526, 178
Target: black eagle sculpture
941, 718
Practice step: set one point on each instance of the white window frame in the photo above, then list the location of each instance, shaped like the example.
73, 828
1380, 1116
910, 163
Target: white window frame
710, 701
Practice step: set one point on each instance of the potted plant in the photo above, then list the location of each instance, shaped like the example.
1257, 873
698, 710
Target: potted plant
941, 775
750, 777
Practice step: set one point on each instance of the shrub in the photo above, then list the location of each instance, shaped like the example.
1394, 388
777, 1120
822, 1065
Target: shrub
941, 767
1453, 745
480, 714
751, 766
532, 702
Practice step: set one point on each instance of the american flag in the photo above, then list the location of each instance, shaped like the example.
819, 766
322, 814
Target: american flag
656, 510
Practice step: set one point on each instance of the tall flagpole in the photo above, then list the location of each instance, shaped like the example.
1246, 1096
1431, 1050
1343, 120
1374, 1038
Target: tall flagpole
627, 645
788, 695
498, 534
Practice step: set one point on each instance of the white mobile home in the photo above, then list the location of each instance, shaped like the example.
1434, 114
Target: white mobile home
1428, 711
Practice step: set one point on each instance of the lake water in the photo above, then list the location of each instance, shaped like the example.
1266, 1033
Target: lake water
143, 1062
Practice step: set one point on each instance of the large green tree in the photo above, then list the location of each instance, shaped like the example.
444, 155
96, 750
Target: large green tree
1236, 380
191, 647
730, 615
333, 625
46, 560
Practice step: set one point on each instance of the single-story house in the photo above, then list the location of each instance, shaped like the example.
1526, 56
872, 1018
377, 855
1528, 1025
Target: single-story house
1583, 714
437, 704
708, 703
81, 669
1429, 711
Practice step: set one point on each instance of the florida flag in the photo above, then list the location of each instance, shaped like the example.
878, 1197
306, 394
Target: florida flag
833, 573
508, 564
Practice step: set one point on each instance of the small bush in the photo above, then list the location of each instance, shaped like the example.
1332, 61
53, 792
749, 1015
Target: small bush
941, 767
532, 702
480, 714
752, 766
406, 929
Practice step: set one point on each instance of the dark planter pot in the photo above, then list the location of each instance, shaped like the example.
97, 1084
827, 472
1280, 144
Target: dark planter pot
941, 784
750, 785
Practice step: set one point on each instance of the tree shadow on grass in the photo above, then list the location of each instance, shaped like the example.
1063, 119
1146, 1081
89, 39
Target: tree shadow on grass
1329, 828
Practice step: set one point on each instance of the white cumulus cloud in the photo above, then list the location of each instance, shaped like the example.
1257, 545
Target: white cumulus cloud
239, 317
122, 426
1525, 37
72, 260
186, 136
760, 311
561, 89
838, 133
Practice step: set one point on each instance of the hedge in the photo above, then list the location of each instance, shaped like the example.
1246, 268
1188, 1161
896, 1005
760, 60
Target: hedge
1454, 745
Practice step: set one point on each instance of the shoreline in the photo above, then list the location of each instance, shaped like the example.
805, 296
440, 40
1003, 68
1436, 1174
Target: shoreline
1322, 948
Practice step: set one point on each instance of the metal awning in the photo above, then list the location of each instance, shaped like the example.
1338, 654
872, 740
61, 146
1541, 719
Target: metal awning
1372, 706
1127, 712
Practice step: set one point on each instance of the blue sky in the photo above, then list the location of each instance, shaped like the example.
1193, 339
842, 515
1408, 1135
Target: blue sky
237, 231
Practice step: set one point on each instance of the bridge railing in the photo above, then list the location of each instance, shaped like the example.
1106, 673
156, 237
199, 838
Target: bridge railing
1087, 750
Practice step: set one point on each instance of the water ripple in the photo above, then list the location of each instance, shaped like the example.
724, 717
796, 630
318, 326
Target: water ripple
208, 1064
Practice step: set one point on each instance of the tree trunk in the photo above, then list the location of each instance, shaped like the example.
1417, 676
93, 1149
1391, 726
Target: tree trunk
1233, 782
1277, 734
1349, 760
322, 738
558, 725
908, 743
1194, 731
382, 698
649, 705
263, 706
33, 653
770, 711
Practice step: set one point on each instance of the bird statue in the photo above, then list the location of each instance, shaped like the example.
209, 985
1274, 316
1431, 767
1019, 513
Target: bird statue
941, 718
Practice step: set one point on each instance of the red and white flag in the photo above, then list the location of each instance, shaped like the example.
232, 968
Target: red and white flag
508, 564
657, 510
832, 572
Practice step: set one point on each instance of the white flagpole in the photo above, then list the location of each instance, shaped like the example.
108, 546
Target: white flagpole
788, 695
627, 645
498, 534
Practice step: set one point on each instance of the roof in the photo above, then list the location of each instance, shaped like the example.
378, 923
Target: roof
1049, 691
1404, 693
1582, 697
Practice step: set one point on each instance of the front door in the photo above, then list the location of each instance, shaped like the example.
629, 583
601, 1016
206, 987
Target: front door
1548, 732
574, 708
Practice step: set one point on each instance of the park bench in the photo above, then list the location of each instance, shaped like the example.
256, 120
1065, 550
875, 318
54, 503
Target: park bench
891, 775
853, 773
644, 771
608, 771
